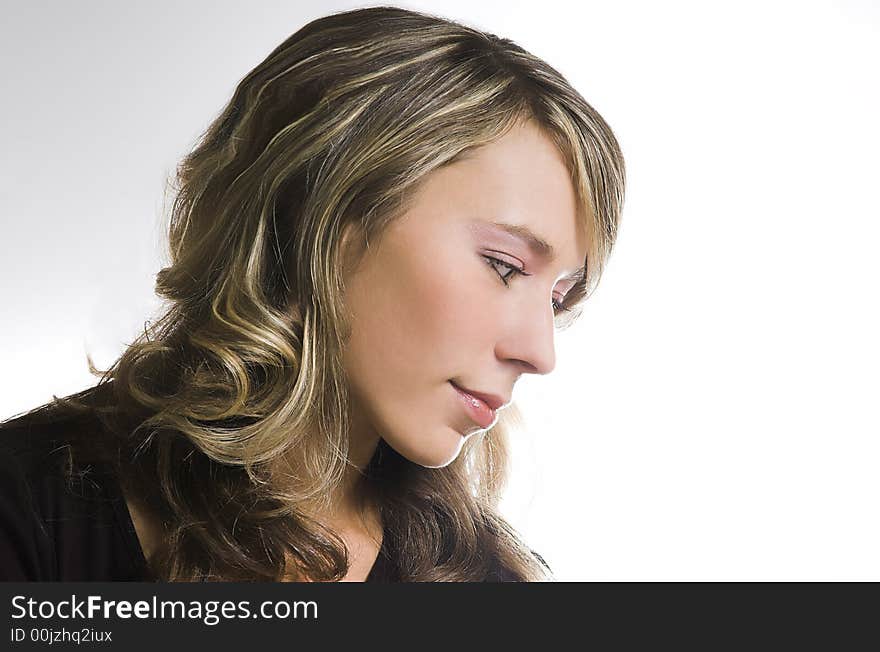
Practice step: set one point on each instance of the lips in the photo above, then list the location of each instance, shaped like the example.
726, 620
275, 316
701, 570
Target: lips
492, 400
480, 406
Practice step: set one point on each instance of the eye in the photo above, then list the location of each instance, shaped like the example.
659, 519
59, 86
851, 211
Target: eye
512, 271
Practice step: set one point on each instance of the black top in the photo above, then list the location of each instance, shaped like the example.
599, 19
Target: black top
54, 528
57, 526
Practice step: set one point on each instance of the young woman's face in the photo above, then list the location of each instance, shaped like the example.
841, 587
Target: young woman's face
429, 307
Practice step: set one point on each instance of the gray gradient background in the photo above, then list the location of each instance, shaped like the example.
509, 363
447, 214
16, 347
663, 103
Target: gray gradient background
713, 416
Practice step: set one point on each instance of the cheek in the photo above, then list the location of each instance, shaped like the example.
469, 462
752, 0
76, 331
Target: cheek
428, 318
449, 315
416, 321
390, 319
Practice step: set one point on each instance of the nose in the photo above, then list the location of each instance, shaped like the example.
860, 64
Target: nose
528, 339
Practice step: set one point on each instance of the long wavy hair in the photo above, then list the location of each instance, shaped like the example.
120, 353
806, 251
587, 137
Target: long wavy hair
335, 128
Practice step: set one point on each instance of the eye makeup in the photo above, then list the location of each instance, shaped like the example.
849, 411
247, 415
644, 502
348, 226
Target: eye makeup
513, 271
521, 238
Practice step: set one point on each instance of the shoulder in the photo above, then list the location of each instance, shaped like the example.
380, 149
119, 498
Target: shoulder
31, 462
58, 513
25, 553
39, 448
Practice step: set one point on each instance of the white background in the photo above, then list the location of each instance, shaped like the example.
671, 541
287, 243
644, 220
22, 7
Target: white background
714, 414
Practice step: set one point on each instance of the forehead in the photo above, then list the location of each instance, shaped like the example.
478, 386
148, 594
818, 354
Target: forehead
520, 179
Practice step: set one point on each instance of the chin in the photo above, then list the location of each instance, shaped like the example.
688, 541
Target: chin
434, 453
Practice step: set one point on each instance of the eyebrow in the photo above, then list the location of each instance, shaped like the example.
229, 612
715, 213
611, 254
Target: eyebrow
539, 246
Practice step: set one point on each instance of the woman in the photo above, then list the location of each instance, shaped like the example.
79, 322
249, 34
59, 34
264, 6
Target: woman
369, 246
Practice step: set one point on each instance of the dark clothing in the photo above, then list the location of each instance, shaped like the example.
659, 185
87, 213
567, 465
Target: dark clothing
57, 529
57, 526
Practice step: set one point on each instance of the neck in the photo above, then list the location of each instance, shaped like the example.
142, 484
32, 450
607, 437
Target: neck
346, 508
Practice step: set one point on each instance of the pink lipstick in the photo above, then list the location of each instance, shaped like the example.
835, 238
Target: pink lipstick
478, 409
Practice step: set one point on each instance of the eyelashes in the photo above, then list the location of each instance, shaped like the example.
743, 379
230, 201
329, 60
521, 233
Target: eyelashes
504, 277
515, 271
